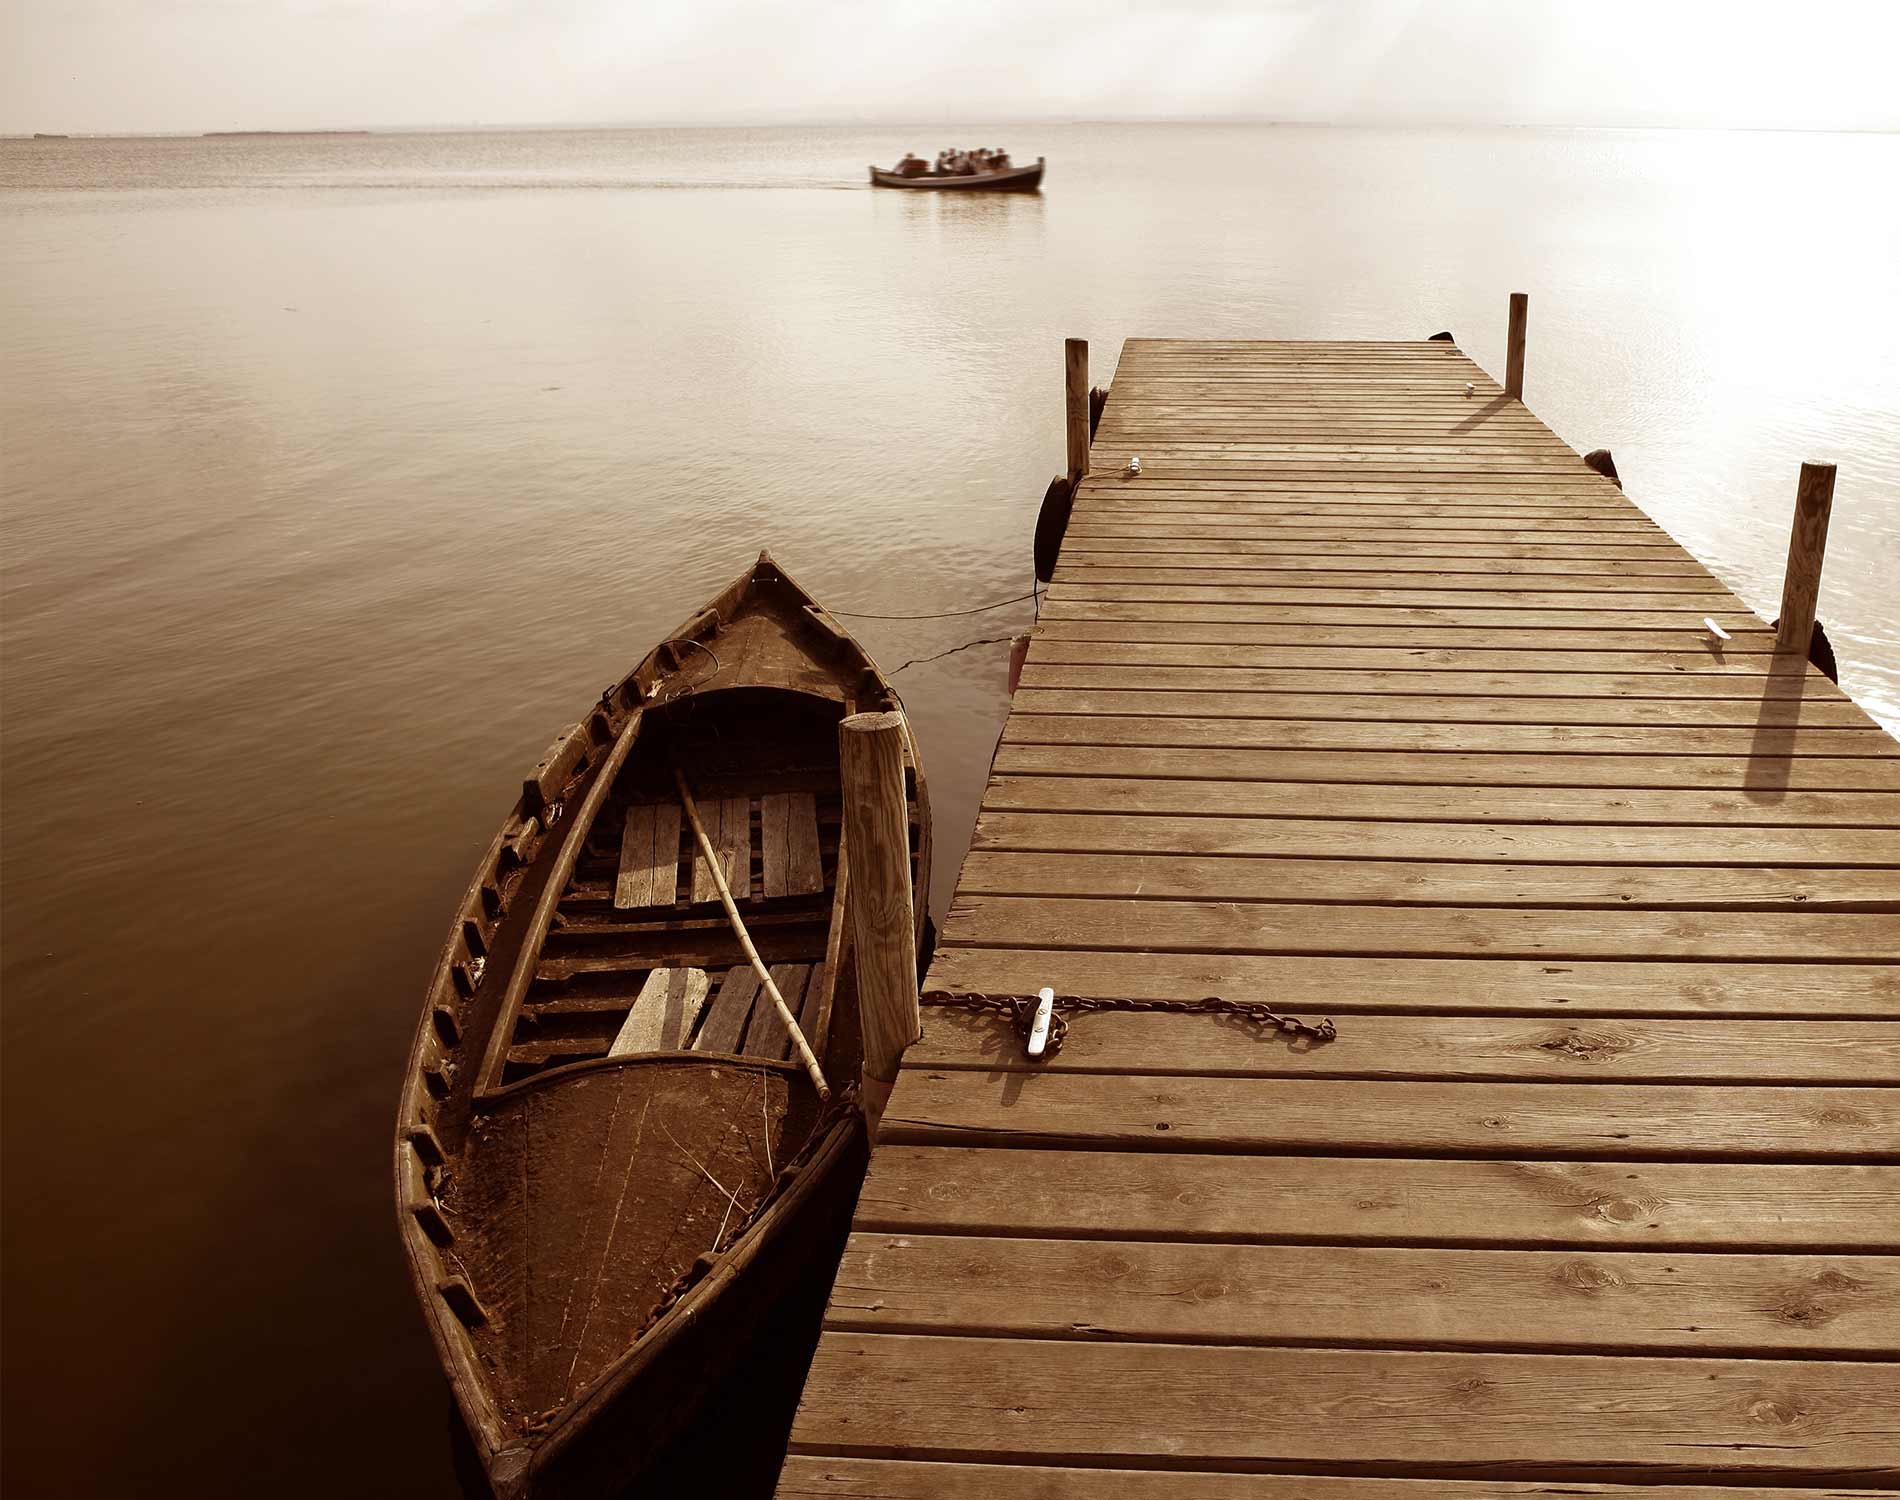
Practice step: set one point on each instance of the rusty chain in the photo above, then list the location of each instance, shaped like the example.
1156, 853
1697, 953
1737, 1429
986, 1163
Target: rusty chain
1021, 1012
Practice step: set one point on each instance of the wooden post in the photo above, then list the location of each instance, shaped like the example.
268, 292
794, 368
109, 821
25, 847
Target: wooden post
1075, 362
883, 921
1514, 346
1807, 543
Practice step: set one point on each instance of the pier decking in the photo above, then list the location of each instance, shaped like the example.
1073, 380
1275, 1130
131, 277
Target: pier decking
1367, 699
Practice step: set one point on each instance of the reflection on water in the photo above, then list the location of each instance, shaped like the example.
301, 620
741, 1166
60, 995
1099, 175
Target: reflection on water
339, 472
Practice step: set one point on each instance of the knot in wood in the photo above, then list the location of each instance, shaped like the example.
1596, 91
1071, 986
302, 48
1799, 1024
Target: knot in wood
1586, 1046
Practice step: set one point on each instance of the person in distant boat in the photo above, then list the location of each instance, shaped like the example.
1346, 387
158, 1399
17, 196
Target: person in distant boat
912, 165
999, 160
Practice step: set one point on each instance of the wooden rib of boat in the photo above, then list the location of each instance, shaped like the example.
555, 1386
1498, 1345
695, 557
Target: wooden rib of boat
601, 1106
1011, 180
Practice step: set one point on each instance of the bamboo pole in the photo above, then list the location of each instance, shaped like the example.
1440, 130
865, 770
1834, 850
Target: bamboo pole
1075, 365
711, 856
883, 919
1514, 346
1807, 545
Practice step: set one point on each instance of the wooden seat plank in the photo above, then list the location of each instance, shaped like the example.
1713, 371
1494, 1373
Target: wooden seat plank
728, 823
725, 1021
767, 1034
788, 834
663, 1014
649, 856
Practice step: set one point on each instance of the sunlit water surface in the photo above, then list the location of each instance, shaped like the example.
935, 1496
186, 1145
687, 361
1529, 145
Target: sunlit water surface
339, 472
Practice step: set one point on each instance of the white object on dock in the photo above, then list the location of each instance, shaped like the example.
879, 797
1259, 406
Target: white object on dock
1716, 630
1134, 467
1469, 387
1039, 1028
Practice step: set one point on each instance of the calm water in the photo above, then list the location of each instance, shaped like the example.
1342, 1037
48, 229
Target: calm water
339, 472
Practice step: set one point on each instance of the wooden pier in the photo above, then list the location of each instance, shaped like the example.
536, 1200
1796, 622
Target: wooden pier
1368, 699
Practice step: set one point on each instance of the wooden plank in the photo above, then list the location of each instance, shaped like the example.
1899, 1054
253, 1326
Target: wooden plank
1329, 554
1772, 714
649, 856
1471, 986
1790, 693
1593, 1121
663, 1014
905, 1395
828, 1477
1447, 1048
1363, 882
788, 833
1405, 625
1845, 1306
1278, 562
768, 1036
1740, 807
726, 1017
1269, 1199
1058, 645
1606, 606
1585, 591
1441, 932
1445, 768
1371, 839
1475, 575
1770, 749
729, 829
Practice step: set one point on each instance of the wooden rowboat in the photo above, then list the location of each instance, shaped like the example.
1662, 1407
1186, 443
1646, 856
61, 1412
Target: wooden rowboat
608, 1163
1012, 180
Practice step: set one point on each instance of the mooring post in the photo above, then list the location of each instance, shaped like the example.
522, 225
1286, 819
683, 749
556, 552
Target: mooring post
883, 921
1075, 363
1807, 544
1514, 346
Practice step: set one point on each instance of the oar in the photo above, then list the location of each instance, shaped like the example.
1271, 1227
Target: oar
745, 938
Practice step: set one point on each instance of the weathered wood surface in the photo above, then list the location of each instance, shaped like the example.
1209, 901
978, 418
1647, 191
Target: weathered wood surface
1369, 700
663, 1014
729, 830
790, 863
832, 1478
649, 856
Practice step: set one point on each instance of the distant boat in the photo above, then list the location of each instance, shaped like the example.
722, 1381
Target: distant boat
596, 1065
50, 135
1009, 180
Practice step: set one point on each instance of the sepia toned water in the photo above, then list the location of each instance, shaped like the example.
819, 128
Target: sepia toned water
337, 473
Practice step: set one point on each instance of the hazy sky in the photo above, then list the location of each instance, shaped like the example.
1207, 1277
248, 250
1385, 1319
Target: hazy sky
130, 65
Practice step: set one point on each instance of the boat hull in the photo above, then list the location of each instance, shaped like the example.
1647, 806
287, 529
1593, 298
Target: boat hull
1015, 180
525, 1140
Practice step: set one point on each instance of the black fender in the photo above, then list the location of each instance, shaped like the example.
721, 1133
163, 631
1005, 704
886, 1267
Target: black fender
1052, 524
